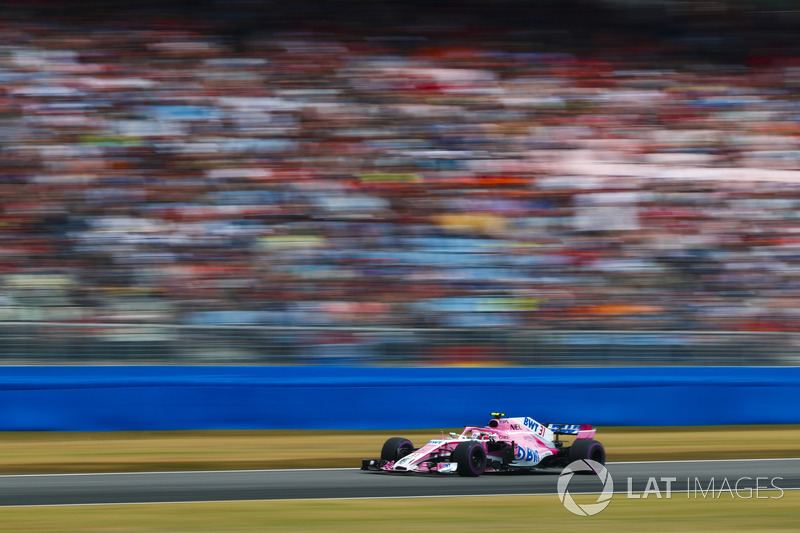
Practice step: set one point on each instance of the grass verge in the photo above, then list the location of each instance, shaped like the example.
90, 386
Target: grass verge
507, 513
39, 452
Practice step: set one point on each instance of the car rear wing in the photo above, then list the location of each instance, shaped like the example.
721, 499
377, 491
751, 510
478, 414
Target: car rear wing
581, 431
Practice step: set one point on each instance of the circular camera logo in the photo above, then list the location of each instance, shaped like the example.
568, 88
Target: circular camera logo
587, 509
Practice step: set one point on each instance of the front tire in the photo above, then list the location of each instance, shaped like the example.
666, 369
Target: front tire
396, 448
587, 449
470, 458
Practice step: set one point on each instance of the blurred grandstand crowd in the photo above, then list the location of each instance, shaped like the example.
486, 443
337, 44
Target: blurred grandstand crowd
173, 167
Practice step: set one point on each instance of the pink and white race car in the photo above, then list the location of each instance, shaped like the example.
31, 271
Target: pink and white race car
503, 445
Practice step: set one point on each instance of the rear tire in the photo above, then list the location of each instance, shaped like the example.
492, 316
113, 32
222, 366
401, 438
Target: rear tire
587, 449
470, 458
396, 448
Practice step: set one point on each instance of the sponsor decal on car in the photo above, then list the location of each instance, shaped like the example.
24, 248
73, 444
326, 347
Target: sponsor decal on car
527, 454
535, 426
566, 429
447, 468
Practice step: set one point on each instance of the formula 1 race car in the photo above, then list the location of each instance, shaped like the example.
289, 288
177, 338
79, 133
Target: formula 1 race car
504, 445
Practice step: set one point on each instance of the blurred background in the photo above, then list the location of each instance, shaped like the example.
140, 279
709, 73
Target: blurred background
407, 183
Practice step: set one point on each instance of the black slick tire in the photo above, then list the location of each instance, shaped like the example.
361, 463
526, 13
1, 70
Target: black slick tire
470, 458
396, 448
587, 449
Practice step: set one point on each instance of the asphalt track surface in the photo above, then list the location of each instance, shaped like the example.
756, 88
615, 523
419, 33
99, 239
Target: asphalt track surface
161, 487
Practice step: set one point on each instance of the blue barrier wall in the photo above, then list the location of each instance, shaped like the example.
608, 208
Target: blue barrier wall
104, 398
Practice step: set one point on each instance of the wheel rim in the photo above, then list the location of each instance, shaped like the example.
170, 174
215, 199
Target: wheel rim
476, 460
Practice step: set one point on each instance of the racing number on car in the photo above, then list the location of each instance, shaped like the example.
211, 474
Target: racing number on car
534, 426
